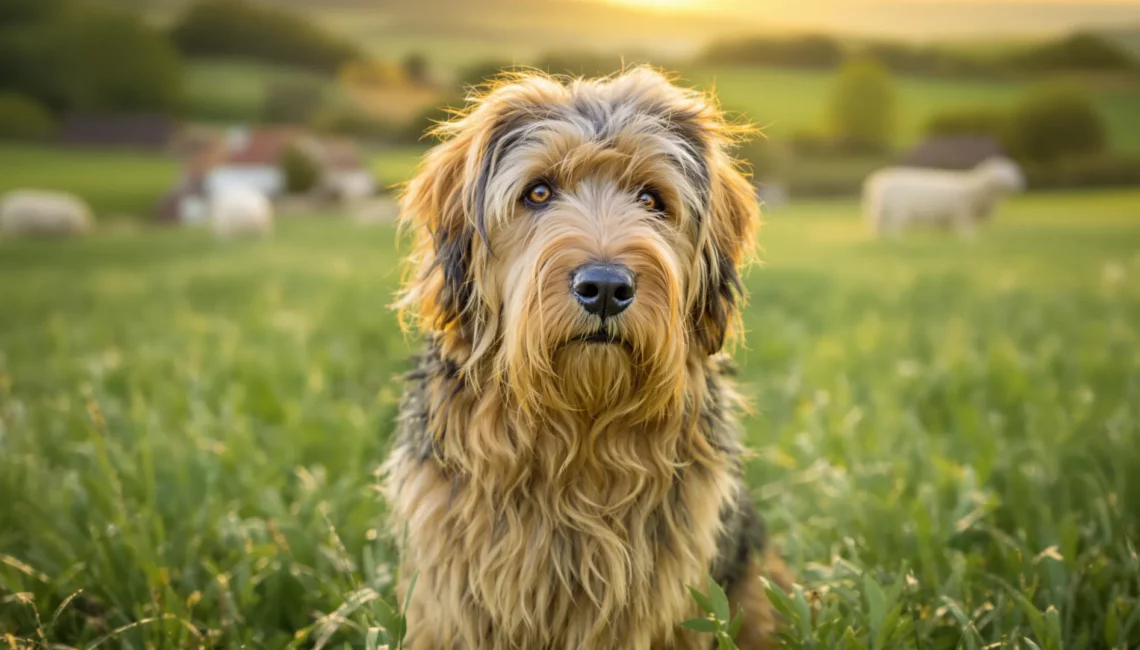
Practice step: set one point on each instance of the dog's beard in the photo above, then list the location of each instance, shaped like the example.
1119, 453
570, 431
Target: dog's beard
561, 362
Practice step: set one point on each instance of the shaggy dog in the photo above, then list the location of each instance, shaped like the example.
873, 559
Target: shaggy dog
567, 458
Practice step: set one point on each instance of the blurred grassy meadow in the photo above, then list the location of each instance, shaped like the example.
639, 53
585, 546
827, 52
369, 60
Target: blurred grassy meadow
946, 431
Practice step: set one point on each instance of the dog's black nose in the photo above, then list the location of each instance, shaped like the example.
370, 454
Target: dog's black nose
603, 289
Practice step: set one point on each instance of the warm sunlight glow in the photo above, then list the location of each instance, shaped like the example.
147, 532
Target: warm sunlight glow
660, 4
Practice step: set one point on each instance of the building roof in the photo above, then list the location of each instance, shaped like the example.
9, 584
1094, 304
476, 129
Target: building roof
952, 152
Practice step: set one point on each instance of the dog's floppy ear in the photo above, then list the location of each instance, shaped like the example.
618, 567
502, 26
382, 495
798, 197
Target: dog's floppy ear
443, 207
732, 218
437, 285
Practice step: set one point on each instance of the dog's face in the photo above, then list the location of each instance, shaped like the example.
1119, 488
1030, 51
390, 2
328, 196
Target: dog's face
581, 241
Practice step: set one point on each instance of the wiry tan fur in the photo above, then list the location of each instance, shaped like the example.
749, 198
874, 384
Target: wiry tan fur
556, 494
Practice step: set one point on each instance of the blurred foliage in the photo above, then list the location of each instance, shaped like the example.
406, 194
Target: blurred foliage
232, 90
292, 101
23, 118
91, 58
810, 51
766, 158
343, 118
863, 106
1053, 123
916, 59
979, 120
1080, 51
242, 29
372, 73
1088, 171
22, 12
302, 172
417, 68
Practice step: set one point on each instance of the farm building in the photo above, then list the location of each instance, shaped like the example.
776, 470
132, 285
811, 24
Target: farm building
250, 159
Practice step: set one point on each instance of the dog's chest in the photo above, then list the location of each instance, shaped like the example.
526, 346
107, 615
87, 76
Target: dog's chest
561, 566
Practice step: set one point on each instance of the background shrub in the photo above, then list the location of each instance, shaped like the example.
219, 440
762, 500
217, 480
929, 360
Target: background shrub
302, 173
969, 121
240, 29
1097, 170
862, 106
1055, 123
416, 68
23, 118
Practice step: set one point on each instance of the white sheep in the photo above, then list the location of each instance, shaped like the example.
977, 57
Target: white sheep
897, 197
39, 213
240, 212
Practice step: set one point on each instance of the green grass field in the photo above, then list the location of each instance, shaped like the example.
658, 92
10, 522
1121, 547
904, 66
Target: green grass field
221, 90
112, 182
946, 431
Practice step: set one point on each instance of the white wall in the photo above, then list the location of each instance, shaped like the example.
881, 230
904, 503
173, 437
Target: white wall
265, 179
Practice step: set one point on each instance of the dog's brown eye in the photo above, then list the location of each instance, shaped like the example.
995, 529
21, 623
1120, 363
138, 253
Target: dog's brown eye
651, 201
538, 194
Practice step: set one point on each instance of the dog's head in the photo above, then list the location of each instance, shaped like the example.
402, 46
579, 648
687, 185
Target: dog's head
580, 241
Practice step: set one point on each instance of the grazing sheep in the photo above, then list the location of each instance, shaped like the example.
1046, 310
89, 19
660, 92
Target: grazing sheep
241, 212
37, 213
897, 197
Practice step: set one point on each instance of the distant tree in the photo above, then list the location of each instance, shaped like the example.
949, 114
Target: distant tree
243, 29
416, 68
94, 58
809, 51
1081, 51
120, 63
907, 58
23, 118
863, 106
22, 12
301, 172
1055, 123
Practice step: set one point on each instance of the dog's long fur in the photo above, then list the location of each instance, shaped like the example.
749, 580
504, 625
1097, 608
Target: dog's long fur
557, 494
